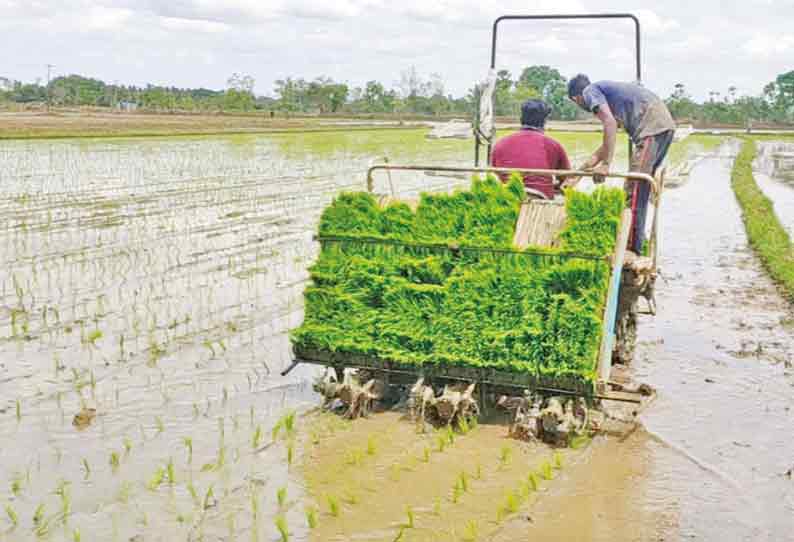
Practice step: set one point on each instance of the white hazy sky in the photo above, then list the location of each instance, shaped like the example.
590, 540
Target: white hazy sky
706, 44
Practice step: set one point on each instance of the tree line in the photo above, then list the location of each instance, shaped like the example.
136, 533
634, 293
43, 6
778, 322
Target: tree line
413, 94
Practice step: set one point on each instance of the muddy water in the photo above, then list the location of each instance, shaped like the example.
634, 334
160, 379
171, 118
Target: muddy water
712, 463
155, 281
774, 173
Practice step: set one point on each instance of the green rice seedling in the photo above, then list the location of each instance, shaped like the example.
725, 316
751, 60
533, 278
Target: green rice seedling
333, 505
351, 497
19, 410
437, 507
188, 443
463, 425
512, 502
16, 485
87, 469
170, 471
471, 531
505, 455
114, 461
127, 446
354, 457
580, 441
281, 526
289, 422
450, 434
311, 517
125, 490
478, 472
441, 443
42, 528
409, 514
457, 491
257, 438
274, 433
557, 460
254, 502
158, 423
38, 514
463, 478
372, 445
532, 481
281, 496
290, 452
546, 471
394, 472
193, 493
62, 490
156, 479
76, 537
400, 534
209, 499
426, 454
93, 337
12, 516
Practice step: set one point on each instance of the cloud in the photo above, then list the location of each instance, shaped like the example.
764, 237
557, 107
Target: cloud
765, 45
653, 24
193, 25
105, 18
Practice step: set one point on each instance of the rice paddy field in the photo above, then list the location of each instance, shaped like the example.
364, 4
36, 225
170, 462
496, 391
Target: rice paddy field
147, 290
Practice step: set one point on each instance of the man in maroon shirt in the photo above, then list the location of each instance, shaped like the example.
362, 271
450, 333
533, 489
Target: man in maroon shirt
530, 148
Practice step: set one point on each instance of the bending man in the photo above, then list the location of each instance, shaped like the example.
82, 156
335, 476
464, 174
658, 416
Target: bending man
530, 148
649, 125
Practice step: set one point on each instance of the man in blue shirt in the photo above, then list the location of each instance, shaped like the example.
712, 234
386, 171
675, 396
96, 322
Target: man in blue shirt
649, 124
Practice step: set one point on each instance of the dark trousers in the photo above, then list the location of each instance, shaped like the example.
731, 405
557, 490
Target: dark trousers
648, 155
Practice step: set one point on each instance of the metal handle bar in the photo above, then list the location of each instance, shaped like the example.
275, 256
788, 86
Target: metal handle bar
576, 16
642, 177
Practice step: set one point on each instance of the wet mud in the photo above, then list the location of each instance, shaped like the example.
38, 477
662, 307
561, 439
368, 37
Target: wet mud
146, 293
714, 457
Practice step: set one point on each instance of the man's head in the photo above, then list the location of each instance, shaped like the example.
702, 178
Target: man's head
534, 113
576, 86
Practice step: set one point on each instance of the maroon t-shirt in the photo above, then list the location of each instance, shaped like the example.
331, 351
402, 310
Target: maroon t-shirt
531, 149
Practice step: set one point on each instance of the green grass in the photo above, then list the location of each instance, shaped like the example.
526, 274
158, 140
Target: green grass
766, 234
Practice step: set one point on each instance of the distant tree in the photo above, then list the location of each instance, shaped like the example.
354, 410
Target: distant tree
680, 103
503, 94
239, 93
552, 87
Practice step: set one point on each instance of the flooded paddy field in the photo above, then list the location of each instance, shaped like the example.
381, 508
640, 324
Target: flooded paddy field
774, 173
147, 288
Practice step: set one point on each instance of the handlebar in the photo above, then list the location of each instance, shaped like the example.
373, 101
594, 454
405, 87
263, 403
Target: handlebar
553, 173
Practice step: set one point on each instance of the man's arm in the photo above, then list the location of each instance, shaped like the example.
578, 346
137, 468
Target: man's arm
607, 150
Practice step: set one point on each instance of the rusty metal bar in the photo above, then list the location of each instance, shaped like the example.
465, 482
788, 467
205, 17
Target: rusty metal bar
577, 16
459, 248
553, 173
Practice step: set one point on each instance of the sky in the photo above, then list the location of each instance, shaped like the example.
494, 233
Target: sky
708, 45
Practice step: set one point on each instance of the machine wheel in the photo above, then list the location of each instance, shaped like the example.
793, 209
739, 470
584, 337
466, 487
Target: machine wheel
626, 335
